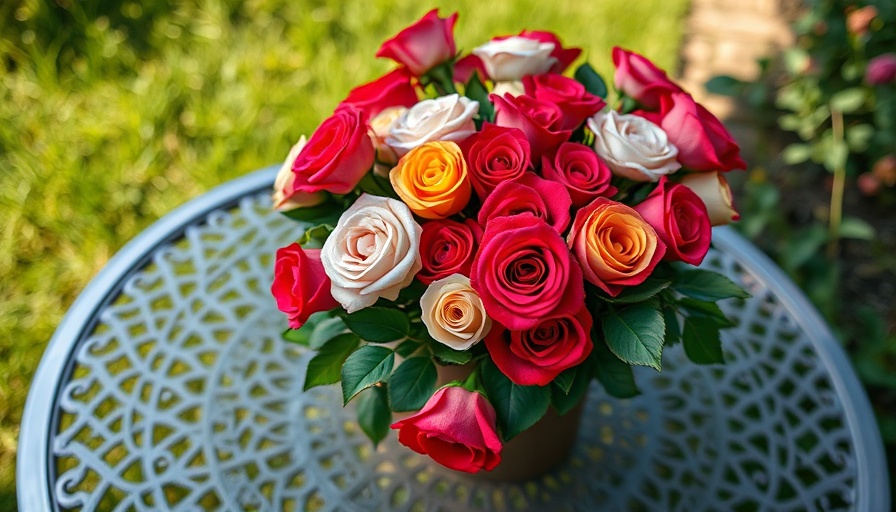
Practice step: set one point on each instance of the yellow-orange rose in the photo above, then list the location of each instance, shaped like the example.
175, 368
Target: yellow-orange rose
432, 179
615, 246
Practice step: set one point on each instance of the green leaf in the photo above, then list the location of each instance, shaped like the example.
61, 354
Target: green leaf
448, 355
707, 285
315, 236
378, 325
565, 379
702, 343
587, 76
614, 375
326, 329
374, 415
704, 309
318, 212
796, 153
364, 368
407, 347
517, 407
412, 383
858, 229
635, 334
849, 100
373, 184
642, 292
724, 85
326, 366
476, 91
673, 327
565, 400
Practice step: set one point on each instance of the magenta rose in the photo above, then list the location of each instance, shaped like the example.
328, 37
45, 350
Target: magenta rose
542, 198
703, 142
447, 247
680, 219
337, 156
456, 428
524, 272
564, 56
424, 45
581, 171
881, 69
541, 121
495, 155
574, 101
640, 79
301, 287
394, 89
536, 356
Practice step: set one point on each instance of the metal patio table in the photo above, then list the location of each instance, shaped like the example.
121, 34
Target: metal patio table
167, 387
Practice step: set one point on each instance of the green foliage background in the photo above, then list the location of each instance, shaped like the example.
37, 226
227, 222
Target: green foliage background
112, 113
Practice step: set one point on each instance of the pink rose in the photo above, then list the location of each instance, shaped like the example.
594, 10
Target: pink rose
703, 142
574, 101
424, 45
581, 171
456, 428
680, 219
545, 199
337, 156
564, 56
881, 69
640, 79
447, 247
495, 155
524, 272
301, 287
394, 89
541, 121
536, 356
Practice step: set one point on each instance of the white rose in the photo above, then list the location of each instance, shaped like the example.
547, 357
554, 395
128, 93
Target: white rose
446, 118
713, 190
453, 312
514, 88
373, 252
282, 199
632, 146
514, 57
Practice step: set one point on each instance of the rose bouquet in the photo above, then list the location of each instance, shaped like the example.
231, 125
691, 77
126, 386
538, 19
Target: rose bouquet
489, 212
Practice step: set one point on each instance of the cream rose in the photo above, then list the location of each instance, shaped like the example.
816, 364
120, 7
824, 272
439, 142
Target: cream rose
632, 146
284, 198
514, 88
373, 252
380, 126
453, 312
713, 189
446, 118
514, 57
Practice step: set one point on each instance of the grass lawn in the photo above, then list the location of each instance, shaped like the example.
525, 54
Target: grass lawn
112, 115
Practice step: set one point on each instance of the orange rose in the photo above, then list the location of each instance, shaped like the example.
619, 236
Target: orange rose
432, 179
713, 189
615, 246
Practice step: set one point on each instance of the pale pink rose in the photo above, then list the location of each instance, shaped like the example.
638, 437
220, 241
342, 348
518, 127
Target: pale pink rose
284, 201
453, 312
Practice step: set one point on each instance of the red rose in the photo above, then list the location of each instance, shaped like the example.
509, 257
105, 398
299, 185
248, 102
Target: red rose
640, 79
337, 156
423, 45
564, 56
545, 199
524, 272
495, 155
541, 121
703, 142
680, 219
456, 428
301, 287
581, 171
466, 66
574, 101
393, 89
447, 247
534, 357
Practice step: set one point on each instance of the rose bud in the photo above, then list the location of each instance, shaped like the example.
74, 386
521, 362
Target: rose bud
301, 287
563, 56
393, 89
713, 190
433, 180
633, 147
285, 197
881, 70
447, 247
511, 58
581, 171
680, 219
640, 79
423, 45
453, 313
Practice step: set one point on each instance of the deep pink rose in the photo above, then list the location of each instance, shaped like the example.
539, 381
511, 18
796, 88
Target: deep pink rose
574, 101
337, 156
542, 198
541, 121
301, 287
447, 247
424, 45
456, 428
466, 66
524, 272
640, 79
881, 69
680, 219
394, 89
495, 154
703, 142
581, 171
564, 56
536, 356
